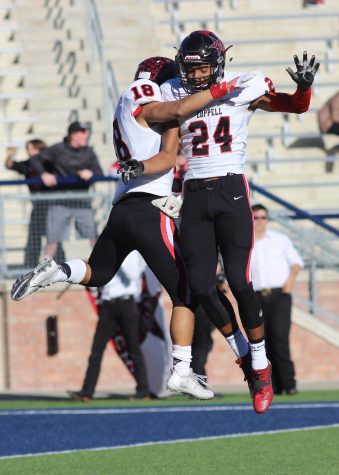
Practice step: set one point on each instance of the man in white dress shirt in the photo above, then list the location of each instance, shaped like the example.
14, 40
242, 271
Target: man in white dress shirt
275, 264
118, 308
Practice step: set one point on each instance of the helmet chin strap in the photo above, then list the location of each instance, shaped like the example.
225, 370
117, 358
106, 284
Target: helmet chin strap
228, 47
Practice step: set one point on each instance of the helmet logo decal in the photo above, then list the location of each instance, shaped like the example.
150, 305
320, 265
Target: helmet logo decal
218, 45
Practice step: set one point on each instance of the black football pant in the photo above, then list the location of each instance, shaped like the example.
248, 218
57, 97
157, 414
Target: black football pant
135, 224
277, 316
217, 214
125, 315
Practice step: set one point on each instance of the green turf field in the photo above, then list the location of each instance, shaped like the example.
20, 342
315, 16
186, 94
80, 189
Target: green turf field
305, 452
311, 452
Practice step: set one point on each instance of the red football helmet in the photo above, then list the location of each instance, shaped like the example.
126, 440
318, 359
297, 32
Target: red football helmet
157, 69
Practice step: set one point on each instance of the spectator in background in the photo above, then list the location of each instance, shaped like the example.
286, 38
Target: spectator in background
275, 264
37, 223
118, 308
328, 120
70, 158
328, 116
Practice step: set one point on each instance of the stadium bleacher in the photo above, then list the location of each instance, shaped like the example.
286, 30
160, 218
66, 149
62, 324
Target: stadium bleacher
64, 60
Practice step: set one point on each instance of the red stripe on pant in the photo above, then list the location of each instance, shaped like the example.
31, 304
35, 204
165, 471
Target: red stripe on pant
164, 232
167, 223
247, 188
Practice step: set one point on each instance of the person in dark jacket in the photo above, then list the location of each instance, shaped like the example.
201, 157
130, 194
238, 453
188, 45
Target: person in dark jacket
70, 158
37, 222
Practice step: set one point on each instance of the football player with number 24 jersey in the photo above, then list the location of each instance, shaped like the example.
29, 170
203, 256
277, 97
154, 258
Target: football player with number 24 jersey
216, 212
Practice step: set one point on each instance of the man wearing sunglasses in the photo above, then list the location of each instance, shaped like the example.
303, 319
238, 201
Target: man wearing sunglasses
275, 265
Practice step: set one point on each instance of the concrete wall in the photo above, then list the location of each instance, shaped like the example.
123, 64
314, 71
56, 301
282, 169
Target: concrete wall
32, 370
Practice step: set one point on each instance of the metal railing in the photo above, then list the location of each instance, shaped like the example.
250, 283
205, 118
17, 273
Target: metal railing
24, 220
297, 211
94, 31
96, 40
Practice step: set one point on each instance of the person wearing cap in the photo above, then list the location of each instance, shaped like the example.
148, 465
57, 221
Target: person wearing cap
72, 157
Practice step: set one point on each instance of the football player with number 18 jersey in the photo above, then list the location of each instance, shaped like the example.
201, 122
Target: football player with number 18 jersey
134, 223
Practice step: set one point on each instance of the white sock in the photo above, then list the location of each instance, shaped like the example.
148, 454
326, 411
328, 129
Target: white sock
238, 343
258, 353
77, 268
182, 357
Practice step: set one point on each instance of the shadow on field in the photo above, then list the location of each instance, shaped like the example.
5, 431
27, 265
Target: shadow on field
46, 397
31, 397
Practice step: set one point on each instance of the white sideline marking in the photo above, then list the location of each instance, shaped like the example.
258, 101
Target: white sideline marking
144, 444
155, 410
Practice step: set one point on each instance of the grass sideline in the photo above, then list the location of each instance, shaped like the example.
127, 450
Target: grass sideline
15, 401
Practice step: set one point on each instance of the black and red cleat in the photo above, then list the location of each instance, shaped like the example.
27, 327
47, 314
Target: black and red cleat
245, 364
262, 389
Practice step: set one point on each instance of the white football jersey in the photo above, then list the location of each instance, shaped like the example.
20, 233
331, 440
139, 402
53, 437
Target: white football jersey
214, 139
133, 141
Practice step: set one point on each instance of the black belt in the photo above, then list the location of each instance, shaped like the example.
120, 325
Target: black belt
139, 197
268, 292
122, 298
206, 183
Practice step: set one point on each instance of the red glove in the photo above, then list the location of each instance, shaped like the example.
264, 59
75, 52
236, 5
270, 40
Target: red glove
222, 88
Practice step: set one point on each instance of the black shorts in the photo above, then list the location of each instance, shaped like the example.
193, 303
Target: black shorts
217, 214
135, 224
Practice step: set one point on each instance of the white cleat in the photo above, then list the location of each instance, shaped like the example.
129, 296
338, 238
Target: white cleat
193, 385
35, 280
